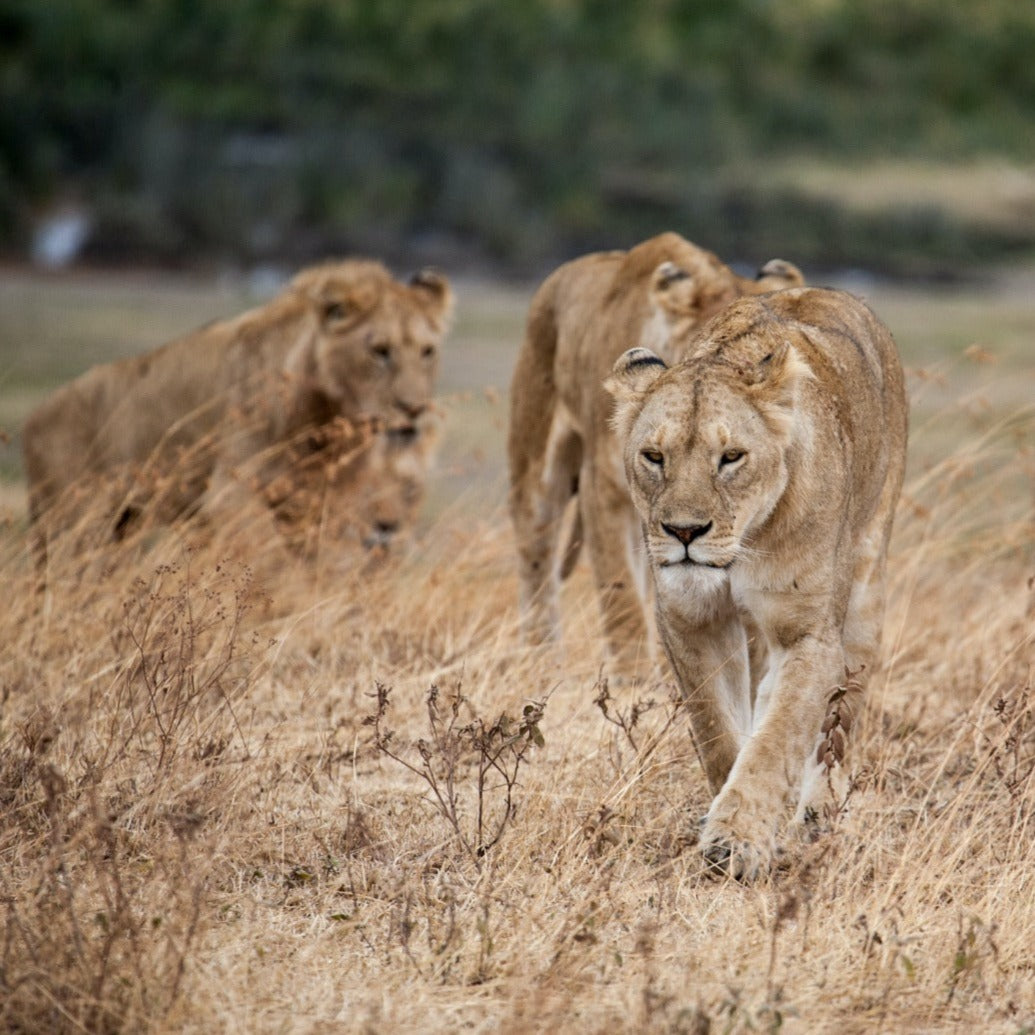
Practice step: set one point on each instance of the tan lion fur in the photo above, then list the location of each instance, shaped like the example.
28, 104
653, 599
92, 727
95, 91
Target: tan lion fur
560, 441
765, 468
210, 421
349, 486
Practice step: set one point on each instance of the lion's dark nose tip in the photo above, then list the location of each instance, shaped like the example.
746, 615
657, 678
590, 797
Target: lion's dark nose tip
403, 435
380, 535
411, 409
686, 534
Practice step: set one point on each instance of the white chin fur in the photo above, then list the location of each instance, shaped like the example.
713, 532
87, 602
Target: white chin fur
688, 589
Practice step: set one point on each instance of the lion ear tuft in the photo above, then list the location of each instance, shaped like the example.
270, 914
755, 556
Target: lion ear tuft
673, 290
339, 309
775, 379
667, 274
339, 301
634, 372
430, 280
632, 375
777, 274
435, 287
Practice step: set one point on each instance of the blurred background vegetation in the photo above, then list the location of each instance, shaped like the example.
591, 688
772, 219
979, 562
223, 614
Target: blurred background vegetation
894, 135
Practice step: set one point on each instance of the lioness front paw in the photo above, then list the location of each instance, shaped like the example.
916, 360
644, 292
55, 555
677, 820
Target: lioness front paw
745, 856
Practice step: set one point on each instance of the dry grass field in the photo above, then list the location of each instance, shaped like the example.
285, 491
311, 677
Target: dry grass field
310, 801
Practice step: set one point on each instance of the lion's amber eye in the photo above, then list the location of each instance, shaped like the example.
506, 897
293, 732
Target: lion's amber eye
652, 456
381, 350
731, 456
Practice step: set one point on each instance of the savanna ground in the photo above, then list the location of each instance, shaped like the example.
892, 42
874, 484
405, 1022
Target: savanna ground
235, 803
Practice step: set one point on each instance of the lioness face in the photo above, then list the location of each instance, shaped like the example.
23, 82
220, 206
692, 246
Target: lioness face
704, 471
396, 479
352, 487
377, 349
704, 457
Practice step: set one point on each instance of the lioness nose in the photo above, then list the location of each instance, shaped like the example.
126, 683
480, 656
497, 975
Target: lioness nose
403, 435
380, 535
686, 534
412, 409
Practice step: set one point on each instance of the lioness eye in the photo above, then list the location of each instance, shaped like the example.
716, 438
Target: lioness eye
652, 456
333, 311
381, 350
731, 456
427, 352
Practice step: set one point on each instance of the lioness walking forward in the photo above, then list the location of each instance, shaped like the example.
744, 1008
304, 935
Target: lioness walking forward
765, 469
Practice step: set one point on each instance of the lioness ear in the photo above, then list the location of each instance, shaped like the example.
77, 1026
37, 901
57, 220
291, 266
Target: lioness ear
436, 289
634, 372
673, 290
777, 274
774, 382
768, 367
339, 302
339, 311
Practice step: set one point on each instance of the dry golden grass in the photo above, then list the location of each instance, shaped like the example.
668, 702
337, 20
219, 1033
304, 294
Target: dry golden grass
200, 828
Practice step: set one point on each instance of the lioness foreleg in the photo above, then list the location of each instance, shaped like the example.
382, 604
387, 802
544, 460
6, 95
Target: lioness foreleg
712, 668
825, 783
739, 831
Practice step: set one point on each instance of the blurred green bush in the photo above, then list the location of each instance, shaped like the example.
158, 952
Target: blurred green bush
513, 133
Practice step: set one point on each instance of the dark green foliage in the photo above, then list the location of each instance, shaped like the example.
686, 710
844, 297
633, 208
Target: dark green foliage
518, 132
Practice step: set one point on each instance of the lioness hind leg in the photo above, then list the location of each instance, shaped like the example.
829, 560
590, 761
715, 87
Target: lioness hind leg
537, 503
613, 540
